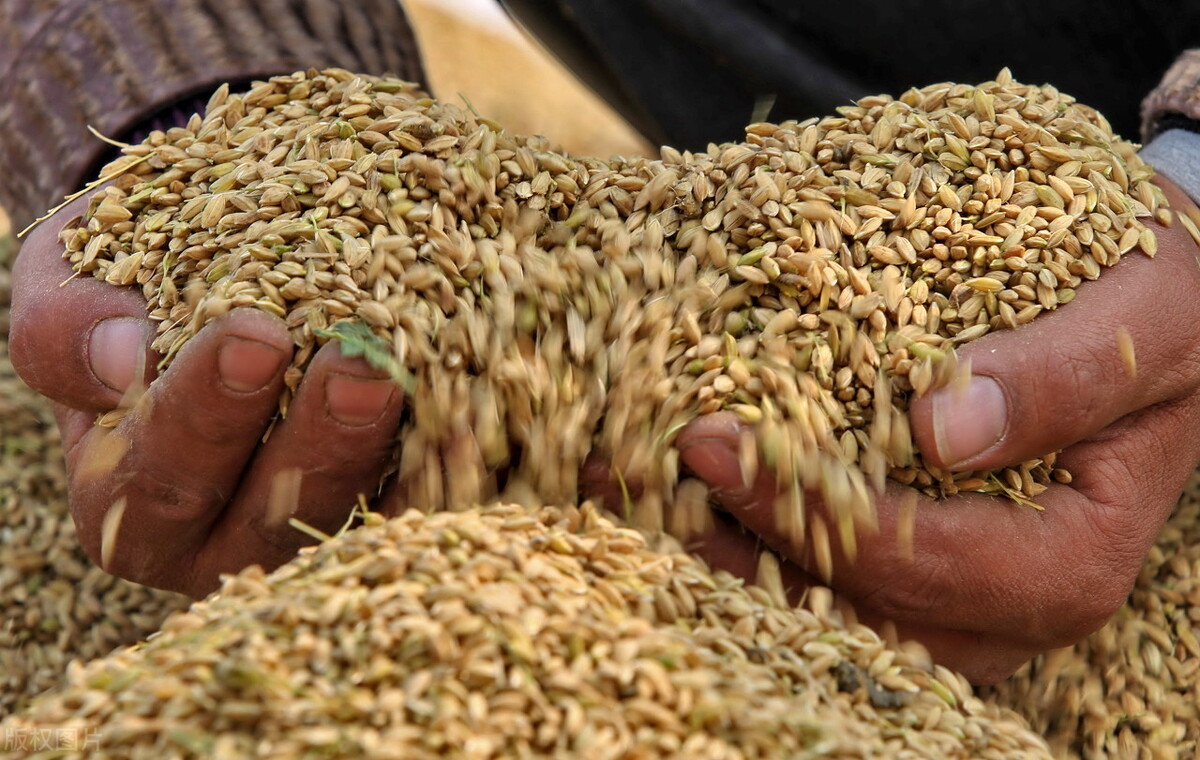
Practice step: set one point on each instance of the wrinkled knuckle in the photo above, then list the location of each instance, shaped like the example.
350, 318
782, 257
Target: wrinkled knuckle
343, 459
1187, 364
124, 562
366, 451
173, 497
1118, 499
210, 428
1099, 586
1079, 379
1095, 598
1166, 370
926, 584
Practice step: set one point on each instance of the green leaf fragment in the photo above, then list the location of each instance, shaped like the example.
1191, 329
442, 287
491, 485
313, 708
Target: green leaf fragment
357, 339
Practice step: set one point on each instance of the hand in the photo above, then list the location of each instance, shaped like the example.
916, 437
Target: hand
991, 583
183, 489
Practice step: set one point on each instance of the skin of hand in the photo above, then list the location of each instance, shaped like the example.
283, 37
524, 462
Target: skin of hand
186, 471
990, 583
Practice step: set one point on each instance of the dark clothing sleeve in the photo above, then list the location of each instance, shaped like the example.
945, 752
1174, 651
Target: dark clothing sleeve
687, 72
113, 64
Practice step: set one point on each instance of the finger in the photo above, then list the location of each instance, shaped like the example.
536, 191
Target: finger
1072, 371
981, 564
1127, 481
333, 446
947, 576
709, 448
983, 657
179, 453
78, 340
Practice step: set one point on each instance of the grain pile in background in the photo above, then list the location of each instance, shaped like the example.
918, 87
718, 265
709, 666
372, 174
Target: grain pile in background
54, 604
502, 632
536, 305
8, 248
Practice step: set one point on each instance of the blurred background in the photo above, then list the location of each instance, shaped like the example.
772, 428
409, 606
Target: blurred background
471, 47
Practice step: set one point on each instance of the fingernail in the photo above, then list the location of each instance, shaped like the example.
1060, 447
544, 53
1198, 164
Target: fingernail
247, 365
117, 350
357, 401
968, 421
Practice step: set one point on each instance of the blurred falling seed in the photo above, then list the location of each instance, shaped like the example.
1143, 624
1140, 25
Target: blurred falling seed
283, 499
822, 551
1125, 347
110, 530
768, 577
689, 517
1190, 226
748, 457
103, 451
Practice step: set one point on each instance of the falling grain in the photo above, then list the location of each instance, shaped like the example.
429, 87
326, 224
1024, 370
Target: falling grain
1125, 347
284, 496
110, 530
1190, 226
102, 451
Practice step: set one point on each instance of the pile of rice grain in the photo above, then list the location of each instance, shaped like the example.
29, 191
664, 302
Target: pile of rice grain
538, 306
508, 633
54, 604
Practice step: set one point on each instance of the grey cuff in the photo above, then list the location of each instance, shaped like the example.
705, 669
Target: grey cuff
1175, 154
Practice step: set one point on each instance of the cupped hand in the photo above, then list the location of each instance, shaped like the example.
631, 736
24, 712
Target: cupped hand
990, 583
183, 488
